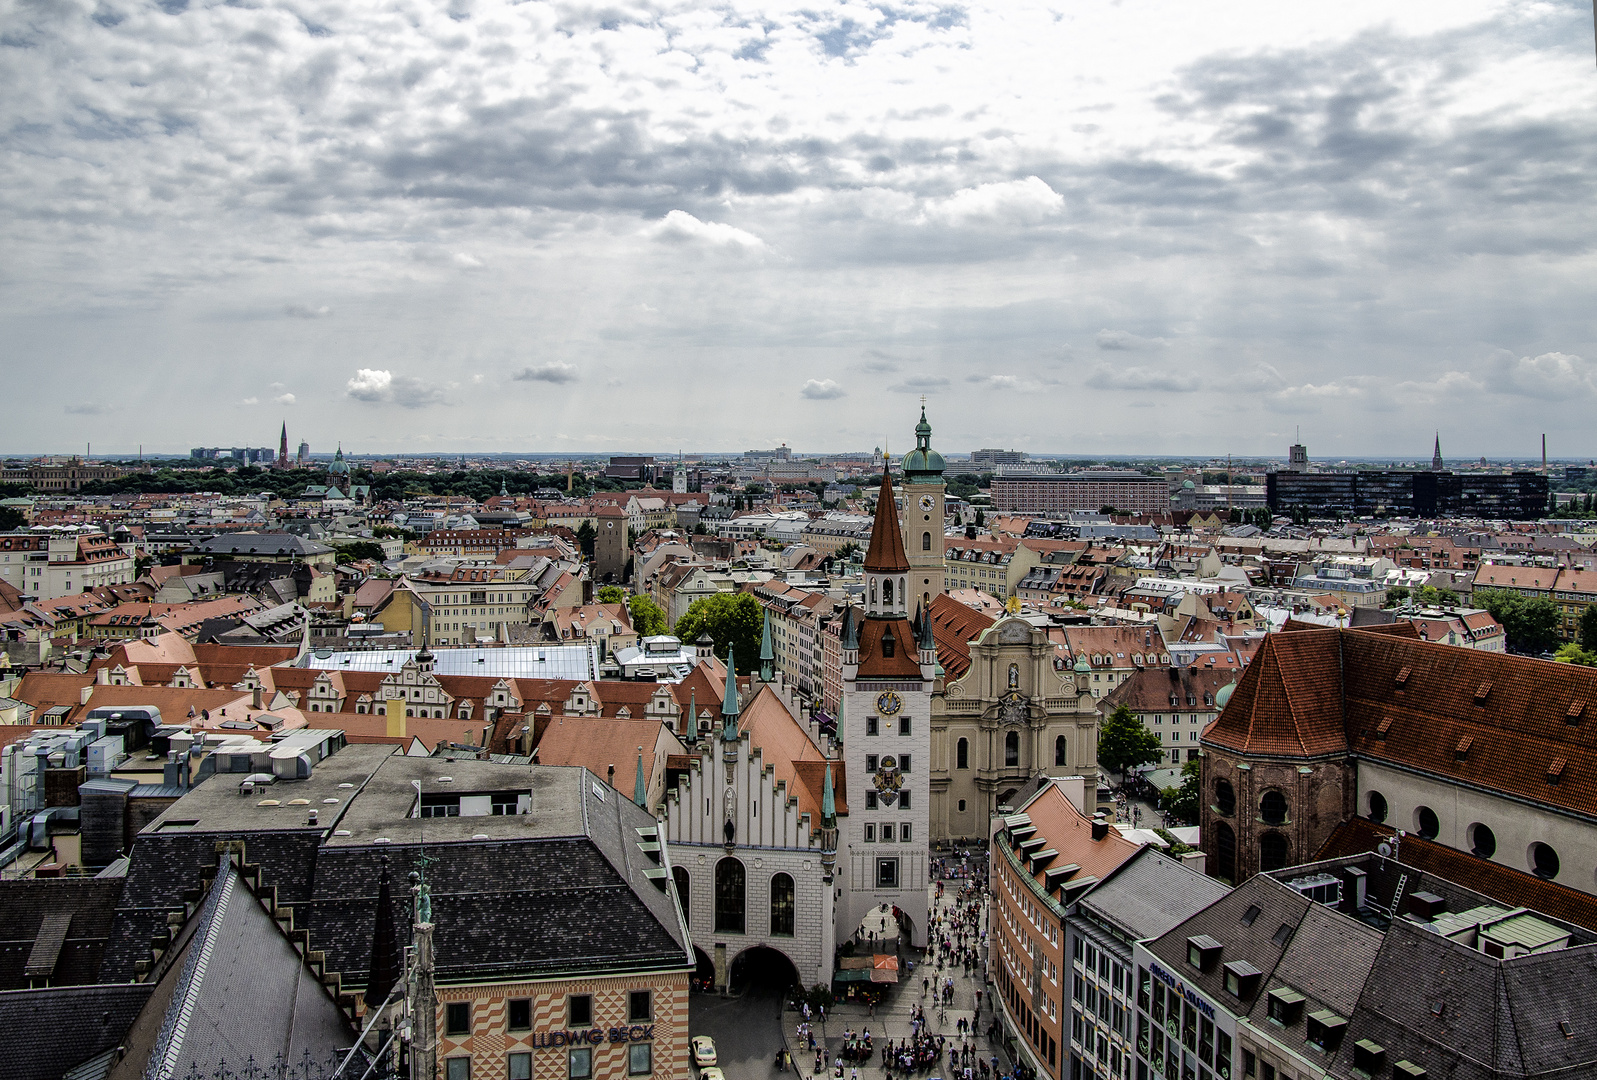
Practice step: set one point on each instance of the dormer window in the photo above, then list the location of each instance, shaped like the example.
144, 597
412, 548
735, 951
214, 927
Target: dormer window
1368, 1057
1202, 952
1325, 1030
1286, 1005
1241, 979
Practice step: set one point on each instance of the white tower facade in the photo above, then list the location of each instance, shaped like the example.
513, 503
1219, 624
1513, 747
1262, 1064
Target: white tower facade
889, 665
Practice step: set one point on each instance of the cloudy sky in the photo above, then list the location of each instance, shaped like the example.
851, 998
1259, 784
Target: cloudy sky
1147, 226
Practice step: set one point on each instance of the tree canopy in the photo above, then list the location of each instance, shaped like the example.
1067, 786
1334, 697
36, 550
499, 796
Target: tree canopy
1123, 743
1182, 802
648, 620
359, 550
611, 594
1587, 634
733, 620
1530, 623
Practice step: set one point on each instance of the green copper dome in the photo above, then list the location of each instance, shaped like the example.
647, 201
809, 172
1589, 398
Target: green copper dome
923, 465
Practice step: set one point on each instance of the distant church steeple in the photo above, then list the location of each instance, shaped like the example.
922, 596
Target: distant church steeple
1436, 455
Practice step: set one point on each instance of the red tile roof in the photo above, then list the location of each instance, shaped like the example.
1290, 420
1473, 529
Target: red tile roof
886, 551
903, 664
1412, 703
1289, 700
955, 626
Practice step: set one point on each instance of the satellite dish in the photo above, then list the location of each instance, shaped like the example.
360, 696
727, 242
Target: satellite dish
1385, 849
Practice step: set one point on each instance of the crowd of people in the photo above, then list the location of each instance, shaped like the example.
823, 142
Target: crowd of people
969, 1048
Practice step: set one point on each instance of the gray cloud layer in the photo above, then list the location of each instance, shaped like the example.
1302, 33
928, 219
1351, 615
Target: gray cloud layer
1282, 217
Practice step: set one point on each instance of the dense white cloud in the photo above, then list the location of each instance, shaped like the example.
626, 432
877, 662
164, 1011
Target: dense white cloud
380, 386
1282, 214
821, 390
681, 227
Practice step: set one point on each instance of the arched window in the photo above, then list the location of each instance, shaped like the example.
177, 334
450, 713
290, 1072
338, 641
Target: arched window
1061, 751
873, 591
1225, 852
1272, 852
679, 877
1272, 808
962, 754
925, 541
1225, 799
729, 896
1012, 748
781, 906
887, 593
1426, 823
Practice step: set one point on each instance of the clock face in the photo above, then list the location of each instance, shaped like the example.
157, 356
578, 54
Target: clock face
889, 703
927, 502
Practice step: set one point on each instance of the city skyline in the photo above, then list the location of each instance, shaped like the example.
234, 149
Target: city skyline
486, 226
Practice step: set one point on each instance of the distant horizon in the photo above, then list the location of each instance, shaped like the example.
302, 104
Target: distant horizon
957, 456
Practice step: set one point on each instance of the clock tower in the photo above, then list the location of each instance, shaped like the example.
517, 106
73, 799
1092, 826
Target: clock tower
889, 665
923, 515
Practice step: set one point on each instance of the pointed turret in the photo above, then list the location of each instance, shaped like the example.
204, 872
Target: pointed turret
691, 731
928, 641
640, 794
886, 552
767, 653
385, 945
850, 631
828, 801
729, 704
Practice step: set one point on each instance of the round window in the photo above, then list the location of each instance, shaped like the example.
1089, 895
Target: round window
1543, 861
1426, 822
1482, 840
1378, 809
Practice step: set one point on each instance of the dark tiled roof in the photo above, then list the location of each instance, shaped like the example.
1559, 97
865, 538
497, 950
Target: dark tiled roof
1255, 944
1462, 1015
52, 1030
26, 905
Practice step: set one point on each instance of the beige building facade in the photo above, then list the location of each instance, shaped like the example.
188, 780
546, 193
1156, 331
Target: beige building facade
1011, 717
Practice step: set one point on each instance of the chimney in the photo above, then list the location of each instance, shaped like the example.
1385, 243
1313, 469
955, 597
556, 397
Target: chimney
102, 677
1100, 827
255, 697
85, 694
610, 776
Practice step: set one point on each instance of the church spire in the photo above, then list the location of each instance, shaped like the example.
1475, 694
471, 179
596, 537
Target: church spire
1436, 455
385, 945
640, 793
767, 654
729, 704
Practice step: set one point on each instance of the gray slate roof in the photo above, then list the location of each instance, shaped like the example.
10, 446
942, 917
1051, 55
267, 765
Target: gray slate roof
1149, 893
272, 543
41, 1045
512, 894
